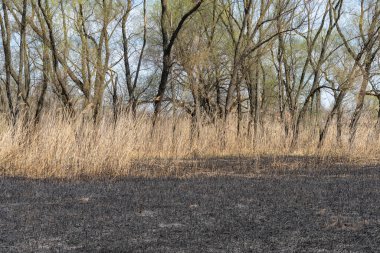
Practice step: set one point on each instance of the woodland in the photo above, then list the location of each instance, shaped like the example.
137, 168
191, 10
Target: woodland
89, 86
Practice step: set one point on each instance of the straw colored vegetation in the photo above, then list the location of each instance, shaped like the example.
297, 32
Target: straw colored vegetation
153, 87
72, 148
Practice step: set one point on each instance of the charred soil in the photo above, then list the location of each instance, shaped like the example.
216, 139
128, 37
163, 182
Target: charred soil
230, 205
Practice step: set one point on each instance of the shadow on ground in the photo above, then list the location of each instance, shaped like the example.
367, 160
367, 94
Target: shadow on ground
333, 209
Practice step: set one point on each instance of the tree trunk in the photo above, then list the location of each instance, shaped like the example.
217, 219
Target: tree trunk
6, 38
359, 104
336, 107
45, 72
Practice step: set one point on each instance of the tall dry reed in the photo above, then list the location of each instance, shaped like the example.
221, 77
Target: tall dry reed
69, 148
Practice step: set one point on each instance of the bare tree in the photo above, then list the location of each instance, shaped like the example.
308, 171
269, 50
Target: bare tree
167, 46
131, 85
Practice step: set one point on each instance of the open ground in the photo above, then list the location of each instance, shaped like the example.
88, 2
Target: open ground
283, 204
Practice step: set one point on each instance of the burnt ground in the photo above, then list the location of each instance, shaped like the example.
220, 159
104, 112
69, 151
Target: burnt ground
272, 207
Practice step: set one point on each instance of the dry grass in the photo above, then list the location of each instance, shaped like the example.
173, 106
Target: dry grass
73, 148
